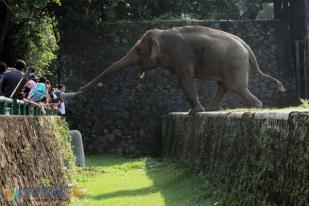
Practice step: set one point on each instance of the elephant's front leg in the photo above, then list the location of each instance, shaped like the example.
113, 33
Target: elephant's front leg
188, 85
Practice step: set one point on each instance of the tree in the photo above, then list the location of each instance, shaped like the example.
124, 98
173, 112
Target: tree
28, 28
26, 32
251, 8
111, 10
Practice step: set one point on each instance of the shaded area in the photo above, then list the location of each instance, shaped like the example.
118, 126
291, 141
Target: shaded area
124, 193
262, 157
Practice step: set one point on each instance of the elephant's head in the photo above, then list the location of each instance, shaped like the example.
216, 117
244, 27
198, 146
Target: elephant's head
145, 53
148, 50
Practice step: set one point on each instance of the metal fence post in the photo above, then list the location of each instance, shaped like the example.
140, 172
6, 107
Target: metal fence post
15, 107
2, 108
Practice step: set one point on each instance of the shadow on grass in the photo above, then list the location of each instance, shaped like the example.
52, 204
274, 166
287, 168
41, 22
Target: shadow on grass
98, 160
139, 192
124, 193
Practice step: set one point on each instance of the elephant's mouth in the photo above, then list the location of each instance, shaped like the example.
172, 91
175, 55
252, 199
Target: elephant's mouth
141, 73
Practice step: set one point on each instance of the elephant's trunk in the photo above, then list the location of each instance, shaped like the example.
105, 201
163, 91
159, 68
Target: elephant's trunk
129, 60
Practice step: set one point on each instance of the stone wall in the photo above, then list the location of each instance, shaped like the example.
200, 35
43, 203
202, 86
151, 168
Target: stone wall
32, 155
261, 158
124, 115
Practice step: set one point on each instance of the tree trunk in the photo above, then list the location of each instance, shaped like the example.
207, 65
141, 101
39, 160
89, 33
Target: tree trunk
4, 30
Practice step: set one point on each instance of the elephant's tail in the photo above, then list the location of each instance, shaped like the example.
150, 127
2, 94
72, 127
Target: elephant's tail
255, 66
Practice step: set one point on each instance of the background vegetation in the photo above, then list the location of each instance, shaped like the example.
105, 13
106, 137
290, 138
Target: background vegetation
27, 32
29, 29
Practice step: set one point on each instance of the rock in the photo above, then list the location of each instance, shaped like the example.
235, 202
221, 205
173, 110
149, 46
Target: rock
119, 151
109, 137
117, 132
132, 148
100, 84
125, 115
142, 133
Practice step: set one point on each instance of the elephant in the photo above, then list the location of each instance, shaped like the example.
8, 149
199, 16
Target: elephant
194, 52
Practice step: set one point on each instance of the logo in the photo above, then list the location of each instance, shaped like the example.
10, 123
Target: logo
43, 193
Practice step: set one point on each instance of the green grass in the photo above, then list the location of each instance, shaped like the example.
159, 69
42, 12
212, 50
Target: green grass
117, 181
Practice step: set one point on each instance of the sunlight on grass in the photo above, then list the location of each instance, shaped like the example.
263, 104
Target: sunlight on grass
116, 181
303, 106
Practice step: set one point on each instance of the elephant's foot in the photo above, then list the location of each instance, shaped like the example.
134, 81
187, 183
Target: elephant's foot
196, 109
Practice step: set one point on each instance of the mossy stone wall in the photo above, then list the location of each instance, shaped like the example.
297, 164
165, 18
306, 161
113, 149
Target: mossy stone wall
262, 158
35, 158
124, 116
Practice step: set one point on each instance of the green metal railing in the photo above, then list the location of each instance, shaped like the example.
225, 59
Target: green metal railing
18, 107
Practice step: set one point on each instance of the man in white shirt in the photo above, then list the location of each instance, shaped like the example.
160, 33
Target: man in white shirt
60, 95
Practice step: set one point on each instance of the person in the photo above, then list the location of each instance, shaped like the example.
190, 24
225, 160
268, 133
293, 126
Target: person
30, 85
3, 68
60, 95
31, 81
48, 91
11, 78
38, 93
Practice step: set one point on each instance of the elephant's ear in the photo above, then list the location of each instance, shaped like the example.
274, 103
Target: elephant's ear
155, 51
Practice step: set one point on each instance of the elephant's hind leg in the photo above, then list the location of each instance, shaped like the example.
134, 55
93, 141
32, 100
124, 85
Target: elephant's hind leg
214, 104
252, 100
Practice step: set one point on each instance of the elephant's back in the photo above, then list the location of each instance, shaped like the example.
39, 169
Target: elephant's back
214, 51
212, 40
203, 30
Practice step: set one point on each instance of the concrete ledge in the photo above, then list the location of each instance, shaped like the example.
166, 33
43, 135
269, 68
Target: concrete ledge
267, 114
263, 157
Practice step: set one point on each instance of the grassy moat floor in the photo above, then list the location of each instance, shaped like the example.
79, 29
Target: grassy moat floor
112, 180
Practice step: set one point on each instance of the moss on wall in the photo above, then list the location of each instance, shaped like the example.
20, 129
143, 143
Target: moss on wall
262, 160
36, 159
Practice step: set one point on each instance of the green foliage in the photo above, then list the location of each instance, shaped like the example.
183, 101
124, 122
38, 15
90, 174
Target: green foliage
64, 146
304, 103
31, 35
106, 10
36, 44
33, 30
267, 12
249, 9
30, 9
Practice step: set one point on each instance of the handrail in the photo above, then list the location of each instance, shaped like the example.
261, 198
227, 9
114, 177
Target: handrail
10, 106
9, 100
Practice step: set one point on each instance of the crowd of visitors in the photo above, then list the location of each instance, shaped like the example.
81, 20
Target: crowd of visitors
23, 85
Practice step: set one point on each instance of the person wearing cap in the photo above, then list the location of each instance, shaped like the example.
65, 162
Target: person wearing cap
12, 77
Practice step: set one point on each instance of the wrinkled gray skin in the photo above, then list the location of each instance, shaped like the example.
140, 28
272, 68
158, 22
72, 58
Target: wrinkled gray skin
194, 52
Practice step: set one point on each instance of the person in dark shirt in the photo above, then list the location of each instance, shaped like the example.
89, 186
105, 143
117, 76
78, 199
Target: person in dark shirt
12, 77
3, 68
